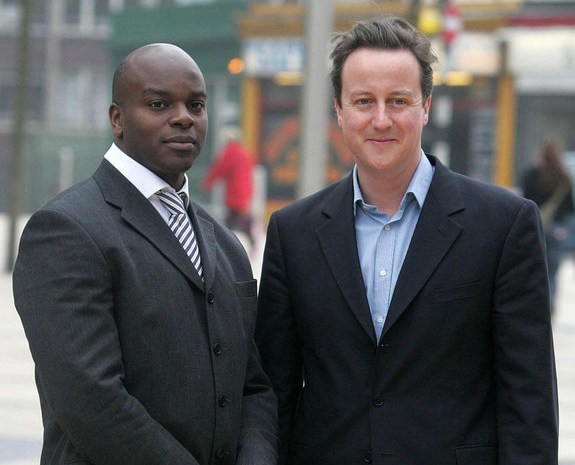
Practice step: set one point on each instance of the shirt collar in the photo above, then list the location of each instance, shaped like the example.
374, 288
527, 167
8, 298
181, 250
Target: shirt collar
418, 186
142, 178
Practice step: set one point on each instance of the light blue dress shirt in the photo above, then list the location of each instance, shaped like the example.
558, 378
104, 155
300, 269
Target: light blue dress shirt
382, 242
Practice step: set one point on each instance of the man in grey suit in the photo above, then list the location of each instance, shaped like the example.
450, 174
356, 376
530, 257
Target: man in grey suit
404, 311
144, 355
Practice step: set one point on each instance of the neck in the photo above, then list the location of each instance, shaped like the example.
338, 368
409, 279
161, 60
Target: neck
384, 191
385, 196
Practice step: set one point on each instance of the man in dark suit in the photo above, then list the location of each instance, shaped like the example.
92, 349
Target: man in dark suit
144, 355
404, 311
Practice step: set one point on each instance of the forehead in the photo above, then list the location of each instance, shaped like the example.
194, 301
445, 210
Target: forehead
167, 73
380, 68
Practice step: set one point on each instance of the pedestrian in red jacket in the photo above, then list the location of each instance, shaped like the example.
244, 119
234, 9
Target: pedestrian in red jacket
233, 165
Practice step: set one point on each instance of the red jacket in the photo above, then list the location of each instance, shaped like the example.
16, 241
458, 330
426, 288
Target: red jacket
234, 166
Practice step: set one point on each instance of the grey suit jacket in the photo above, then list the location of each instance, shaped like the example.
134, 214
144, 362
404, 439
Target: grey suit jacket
137, 360
463, 373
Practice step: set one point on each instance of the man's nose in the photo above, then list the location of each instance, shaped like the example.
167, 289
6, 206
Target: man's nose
380, 117
181, 116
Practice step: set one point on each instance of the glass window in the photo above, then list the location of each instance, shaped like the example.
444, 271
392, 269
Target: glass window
102, 9
116, 6
189, 2
100, 100
73, 9
150, 3
9, 94
69, 98
9, 14
84, 98
39, 12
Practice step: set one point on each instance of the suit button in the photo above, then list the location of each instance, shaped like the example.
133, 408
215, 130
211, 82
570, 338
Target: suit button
223, 401
211, 298
218, 349
367, 456
378, 401
221, 453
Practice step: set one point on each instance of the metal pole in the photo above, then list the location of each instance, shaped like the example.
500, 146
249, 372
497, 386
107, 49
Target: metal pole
66, 175
315, 97
16, 174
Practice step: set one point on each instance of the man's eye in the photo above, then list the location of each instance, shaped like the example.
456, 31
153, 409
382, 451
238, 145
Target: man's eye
157, 104
399, 102
197, 105
363, 101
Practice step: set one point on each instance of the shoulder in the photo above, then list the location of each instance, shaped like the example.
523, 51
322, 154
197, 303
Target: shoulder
482, 192
326, 200
76, 202
481, 208
475, 202
85, 205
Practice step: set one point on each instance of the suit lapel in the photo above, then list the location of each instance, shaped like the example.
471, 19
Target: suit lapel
204, 230
337, 240
143, 217
434, 235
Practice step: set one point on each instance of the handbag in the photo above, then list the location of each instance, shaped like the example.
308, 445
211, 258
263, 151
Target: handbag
549, 208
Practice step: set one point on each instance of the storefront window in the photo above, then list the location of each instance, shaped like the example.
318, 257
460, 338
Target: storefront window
280, 144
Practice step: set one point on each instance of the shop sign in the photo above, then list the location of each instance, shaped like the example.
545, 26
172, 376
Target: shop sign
542, 52
267, 56
476, 53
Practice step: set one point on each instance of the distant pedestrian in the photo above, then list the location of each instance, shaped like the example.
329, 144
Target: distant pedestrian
548, 184
234, 166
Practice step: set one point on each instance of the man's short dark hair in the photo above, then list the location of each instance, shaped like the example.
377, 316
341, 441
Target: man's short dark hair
387, 33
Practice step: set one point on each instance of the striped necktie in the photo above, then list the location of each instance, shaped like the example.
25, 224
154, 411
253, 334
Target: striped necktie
180, 224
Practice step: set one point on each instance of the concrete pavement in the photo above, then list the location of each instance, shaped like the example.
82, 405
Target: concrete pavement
564, 337
20, 421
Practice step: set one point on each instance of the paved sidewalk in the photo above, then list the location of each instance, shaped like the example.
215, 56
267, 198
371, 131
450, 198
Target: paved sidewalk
20, 423
564, 337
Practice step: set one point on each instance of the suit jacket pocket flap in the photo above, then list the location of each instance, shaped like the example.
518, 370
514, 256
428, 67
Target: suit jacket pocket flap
460, 292
247, 288
477, 455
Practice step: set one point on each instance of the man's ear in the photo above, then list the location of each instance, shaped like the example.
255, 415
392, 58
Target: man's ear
337, 111
426, 107
116, 120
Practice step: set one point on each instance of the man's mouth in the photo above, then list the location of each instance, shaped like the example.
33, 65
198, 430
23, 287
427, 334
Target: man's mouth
181, 142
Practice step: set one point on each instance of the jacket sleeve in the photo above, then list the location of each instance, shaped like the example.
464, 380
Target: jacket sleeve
63, 292
276, 336
527, 410
258, 442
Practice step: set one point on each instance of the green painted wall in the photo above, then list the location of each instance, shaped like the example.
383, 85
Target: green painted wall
207, 31
43, 163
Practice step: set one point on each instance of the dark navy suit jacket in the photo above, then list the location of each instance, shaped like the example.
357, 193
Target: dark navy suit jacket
464, 371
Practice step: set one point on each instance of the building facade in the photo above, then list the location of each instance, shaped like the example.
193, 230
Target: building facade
504, 83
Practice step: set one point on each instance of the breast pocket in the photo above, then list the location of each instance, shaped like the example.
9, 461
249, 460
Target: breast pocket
477, 455
247, 288
459, 292
246, 308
